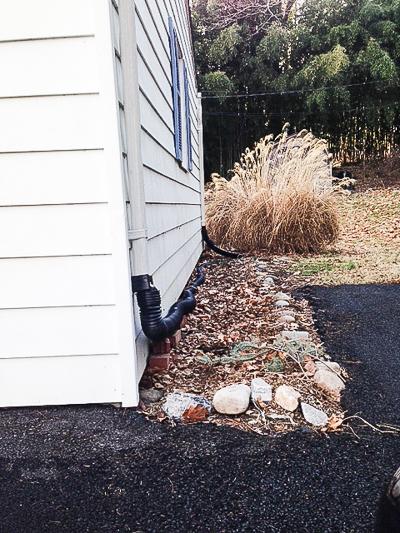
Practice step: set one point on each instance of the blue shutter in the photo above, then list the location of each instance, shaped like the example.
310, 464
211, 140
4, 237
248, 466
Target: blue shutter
188, 121
175, 90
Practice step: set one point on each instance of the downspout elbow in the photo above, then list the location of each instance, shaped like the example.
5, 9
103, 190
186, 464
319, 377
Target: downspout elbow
154, 326
211, 244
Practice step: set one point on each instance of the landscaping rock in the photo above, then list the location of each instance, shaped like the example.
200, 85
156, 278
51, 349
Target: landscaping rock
287, 311
232, 400
186, 407
260, 390
286, 319
261, 266
295, 335
314, 416
282, 296
281, 303
328, 365
150, 395
329, 382
287, 397
268, 282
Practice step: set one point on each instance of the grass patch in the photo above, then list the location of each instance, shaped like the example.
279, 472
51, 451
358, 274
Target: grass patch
312, 267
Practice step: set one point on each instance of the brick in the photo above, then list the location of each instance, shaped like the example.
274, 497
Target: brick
161, 348
176, 338
158, 363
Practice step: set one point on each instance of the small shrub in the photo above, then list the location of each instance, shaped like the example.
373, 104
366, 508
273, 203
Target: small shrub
279, 198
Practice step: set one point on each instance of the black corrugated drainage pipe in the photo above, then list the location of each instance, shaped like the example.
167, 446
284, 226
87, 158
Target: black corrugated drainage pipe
155, 327
211, 244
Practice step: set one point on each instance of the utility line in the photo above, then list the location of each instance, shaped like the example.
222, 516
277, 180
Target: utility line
286, 113
294, 91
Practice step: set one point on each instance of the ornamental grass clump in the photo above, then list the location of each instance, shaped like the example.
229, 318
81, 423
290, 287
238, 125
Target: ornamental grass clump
279, 199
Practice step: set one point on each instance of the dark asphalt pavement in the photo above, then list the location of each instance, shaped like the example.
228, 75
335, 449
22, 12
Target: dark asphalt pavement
94, 469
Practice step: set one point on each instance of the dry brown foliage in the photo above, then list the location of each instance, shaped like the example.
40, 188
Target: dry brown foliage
279, 198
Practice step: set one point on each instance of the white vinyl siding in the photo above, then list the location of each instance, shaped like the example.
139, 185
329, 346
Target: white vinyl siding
67, 319
173, 194
65, 305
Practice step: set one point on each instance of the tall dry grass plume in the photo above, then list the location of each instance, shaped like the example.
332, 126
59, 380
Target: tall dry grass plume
279, 198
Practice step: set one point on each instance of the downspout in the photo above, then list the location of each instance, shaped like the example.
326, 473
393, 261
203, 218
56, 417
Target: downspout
137, 233
201, 156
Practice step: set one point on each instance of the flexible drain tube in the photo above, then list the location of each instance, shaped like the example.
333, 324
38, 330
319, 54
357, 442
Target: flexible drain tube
211, 244
155, 327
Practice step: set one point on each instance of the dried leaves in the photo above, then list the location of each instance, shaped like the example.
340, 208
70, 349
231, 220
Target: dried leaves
230, 339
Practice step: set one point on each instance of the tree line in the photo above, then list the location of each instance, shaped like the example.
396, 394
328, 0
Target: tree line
331, 66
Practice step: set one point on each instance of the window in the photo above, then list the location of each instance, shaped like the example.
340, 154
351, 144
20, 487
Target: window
181, 102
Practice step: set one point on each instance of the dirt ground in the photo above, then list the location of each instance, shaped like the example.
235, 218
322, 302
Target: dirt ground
368, 250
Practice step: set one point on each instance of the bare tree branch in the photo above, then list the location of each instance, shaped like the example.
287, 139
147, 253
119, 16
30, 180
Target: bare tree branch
258, 13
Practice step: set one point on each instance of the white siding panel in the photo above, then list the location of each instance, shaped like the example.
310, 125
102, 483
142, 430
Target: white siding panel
160, 189
177, 282
162, 218
160, 72
170, 276
153, 123
151, 88
58, 331
162, 248
116, 30
52, 178
147, 19
28, 19
50, 123
50, 380
160, 17
157, 158
56, 281
50, 66
54, 230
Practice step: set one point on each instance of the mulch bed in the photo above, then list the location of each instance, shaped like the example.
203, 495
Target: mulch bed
233, 307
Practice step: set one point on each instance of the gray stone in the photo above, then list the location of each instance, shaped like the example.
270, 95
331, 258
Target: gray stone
281, 303
268, 282
286, 319
295, 335
178, 406
328, 365
260, 265
150, 395
329, 382
282, 296
314, 416
232, 400
260, 390
287, 397
287, 311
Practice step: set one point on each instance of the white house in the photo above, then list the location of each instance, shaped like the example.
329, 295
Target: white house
100, 180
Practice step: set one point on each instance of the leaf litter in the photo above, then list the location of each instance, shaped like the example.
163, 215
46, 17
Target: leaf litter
233, 336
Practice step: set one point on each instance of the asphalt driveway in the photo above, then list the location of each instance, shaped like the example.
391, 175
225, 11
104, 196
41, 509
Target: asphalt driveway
92, 469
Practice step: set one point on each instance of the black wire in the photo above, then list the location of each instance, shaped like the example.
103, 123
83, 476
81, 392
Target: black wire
294, 91
286, 113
